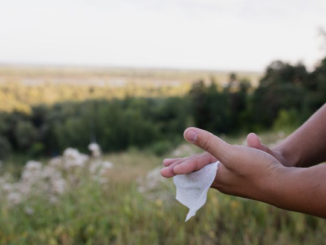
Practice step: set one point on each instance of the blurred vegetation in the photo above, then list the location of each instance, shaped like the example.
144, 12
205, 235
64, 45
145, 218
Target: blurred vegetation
23, 87
285, 97
117, 213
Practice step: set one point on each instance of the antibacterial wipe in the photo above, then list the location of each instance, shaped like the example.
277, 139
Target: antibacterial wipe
192, 188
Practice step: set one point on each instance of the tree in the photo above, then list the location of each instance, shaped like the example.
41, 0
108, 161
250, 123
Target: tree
278, 73
25, 135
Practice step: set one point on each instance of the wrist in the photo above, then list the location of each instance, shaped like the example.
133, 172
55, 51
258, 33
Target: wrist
281, 185
270, 188
299, 190
291, 157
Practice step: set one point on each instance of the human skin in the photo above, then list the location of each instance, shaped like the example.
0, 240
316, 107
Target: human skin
275, 176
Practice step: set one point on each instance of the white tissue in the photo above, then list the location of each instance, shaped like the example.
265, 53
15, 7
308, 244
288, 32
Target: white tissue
192, 188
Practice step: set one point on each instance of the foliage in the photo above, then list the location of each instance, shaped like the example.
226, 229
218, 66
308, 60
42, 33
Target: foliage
291, 88
286, 120
286, 96
5, 148
116, 125
117, 212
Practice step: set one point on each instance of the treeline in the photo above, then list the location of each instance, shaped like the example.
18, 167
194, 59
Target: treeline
286, 96
115, 124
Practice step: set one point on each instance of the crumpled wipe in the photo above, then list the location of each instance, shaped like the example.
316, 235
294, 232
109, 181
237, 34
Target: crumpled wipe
192, 188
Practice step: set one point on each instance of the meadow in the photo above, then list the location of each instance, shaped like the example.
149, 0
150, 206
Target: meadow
57, 189
120, 198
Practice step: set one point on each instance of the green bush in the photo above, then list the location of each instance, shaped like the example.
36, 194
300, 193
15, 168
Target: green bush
5, 148
161, 147
37, 149
286, 120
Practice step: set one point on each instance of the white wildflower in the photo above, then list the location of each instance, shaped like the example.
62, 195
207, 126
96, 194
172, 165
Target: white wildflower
152, 181
183, 150
30, 176
26, 189
71, 153
141, 188
94, 167
95, 149
100, 179
52, 180
28, 210
99, 167
107, 165
154, 178
154, 186
53, 199
14, 198
33, 166
7, 187
56, 162
73, 158
2, 180
59, 186
50, 172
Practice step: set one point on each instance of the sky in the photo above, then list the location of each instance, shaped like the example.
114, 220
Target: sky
182, 34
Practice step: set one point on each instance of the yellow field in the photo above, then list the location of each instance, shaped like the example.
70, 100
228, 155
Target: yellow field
21, 87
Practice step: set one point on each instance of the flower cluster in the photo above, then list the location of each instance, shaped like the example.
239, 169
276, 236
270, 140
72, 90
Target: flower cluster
54, 178
183, 150
95, 149
154, 186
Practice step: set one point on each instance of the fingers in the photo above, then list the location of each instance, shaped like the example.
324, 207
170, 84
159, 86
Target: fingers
254, 142
167, 172
167, 162
210, 143
187, 164
194, 164
171, 163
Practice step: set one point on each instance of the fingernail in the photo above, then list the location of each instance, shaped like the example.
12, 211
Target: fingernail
191, 135
165, 162
163, 169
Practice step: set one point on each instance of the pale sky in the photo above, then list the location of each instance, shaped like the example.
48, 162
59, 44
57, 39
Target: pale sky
195, 34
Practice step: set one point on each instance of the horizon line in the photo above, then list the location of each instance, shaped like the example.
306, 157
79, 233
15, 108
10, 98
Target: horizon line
118, 67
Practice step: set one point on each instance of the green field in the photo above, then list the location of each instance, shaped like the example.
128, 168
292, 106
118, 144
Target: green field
132, 204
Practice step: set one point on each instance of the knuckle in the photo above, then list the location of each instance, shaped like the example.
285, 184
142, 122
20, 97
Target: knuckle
233, 153
207, 144
196, 165
208, 141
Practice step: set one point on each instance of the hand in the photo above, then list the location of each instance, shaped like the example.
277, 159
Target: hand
198, 161
189, 164
254, 142
244, 171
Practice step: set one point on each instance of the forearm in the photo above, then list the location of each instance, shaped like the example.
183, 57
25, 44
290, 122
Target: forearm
306, 146
301, 190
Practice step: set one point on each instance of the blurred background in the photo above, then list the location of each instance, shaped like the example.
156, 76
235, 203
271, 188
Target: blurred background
94, 94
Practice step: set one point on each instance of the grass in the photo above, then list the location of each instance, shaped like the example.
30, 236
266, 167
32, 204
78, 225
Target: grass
117, 213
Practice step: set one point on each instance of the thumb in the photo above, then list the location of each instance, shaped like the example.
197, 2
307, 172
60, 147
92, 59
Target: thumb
253, 141
210, 143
